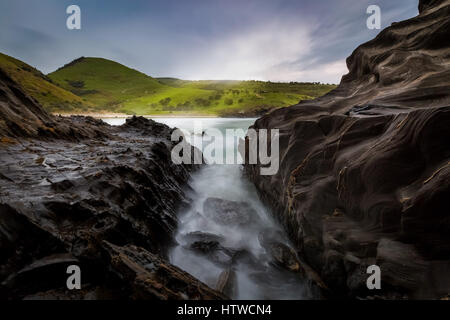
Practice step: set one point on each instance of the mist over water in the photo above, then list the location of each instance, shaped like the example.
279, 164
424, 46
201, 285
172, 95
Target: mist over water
255, 276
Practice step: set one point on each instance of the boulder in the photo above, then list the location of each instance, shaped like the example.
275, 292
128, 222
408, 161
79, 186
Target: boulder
282, 254
195, 236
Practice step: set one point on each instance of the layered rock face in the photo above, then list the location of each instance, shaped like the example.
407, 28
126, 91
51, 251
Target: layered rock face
75, 191
365, 170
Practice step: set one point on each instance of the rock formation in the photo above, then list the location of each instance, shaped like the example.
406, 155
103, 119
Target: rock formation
76, 191
365, 170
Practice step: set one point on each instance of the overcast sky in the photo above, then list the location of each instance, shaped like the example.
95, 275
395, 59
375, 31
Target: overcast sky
284, 40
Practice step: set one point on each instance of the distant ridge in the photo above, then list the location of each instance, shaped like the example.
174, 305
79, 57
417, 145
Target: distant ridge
89, 84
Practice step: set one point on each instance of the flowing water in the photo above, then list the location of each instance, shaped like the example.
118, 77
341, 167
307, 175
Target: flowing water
255, 276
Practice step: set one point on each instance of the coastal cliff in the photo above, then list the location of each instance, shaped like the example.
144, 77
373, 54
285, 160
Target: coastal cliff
365, 170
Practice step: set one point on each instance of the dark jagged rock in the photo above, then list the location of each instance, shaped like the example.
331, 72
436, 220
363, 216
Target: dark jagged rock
212, 246
196, 236
214, 251
68, 186
282, 254
365, 170
147, 276
285, 257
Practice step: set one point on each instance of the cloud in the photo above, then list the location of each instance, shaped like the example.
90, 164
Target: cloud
330, 72
289, 40
281, 50
248, 54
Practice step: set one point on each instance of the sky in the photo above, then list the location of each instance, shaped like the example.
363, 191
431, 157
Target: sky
276, 40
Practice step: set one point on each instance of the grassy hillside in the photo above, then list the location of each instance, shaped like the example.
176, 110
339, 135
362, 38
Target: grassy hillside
232, 97
113, 87
103, 82
40, 87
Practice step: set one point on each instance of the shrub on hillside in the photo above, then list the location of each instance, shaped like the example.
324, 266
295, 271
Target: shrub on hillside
76, 84
202, 102
165, 102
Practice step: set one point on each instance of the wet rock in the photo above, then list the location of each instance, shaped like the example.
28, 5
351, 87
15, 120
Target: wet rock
227, 283
283, 255
230, 213
369, 161
213, 251
211, 246
286, 257
147, 276
147, 126
67, 185
195, 236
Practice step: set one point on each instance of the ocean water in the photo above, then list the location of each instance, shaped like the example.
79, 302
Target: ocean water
257, 279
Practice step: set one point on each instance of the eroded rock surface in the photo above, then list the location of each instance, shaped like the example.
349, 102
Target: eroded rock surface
365, 170
78, 191
147, 276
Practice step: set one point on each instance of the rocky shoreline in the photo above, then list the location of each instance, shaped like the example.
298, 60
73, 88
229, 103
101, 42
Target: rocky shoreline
76, 191
364, 171
364, 179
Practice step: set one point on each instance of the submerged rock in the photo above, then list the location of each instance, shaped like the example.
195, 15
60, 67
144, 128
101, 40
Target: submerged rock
286, 257
195, 236
212, 247
230, 213
283, 255
213, 251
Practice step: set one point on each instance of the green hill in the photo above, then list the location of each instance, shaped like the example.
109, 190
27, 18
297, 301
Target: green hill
41, 88
96, 84
103, 82
114, 87
233, 97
